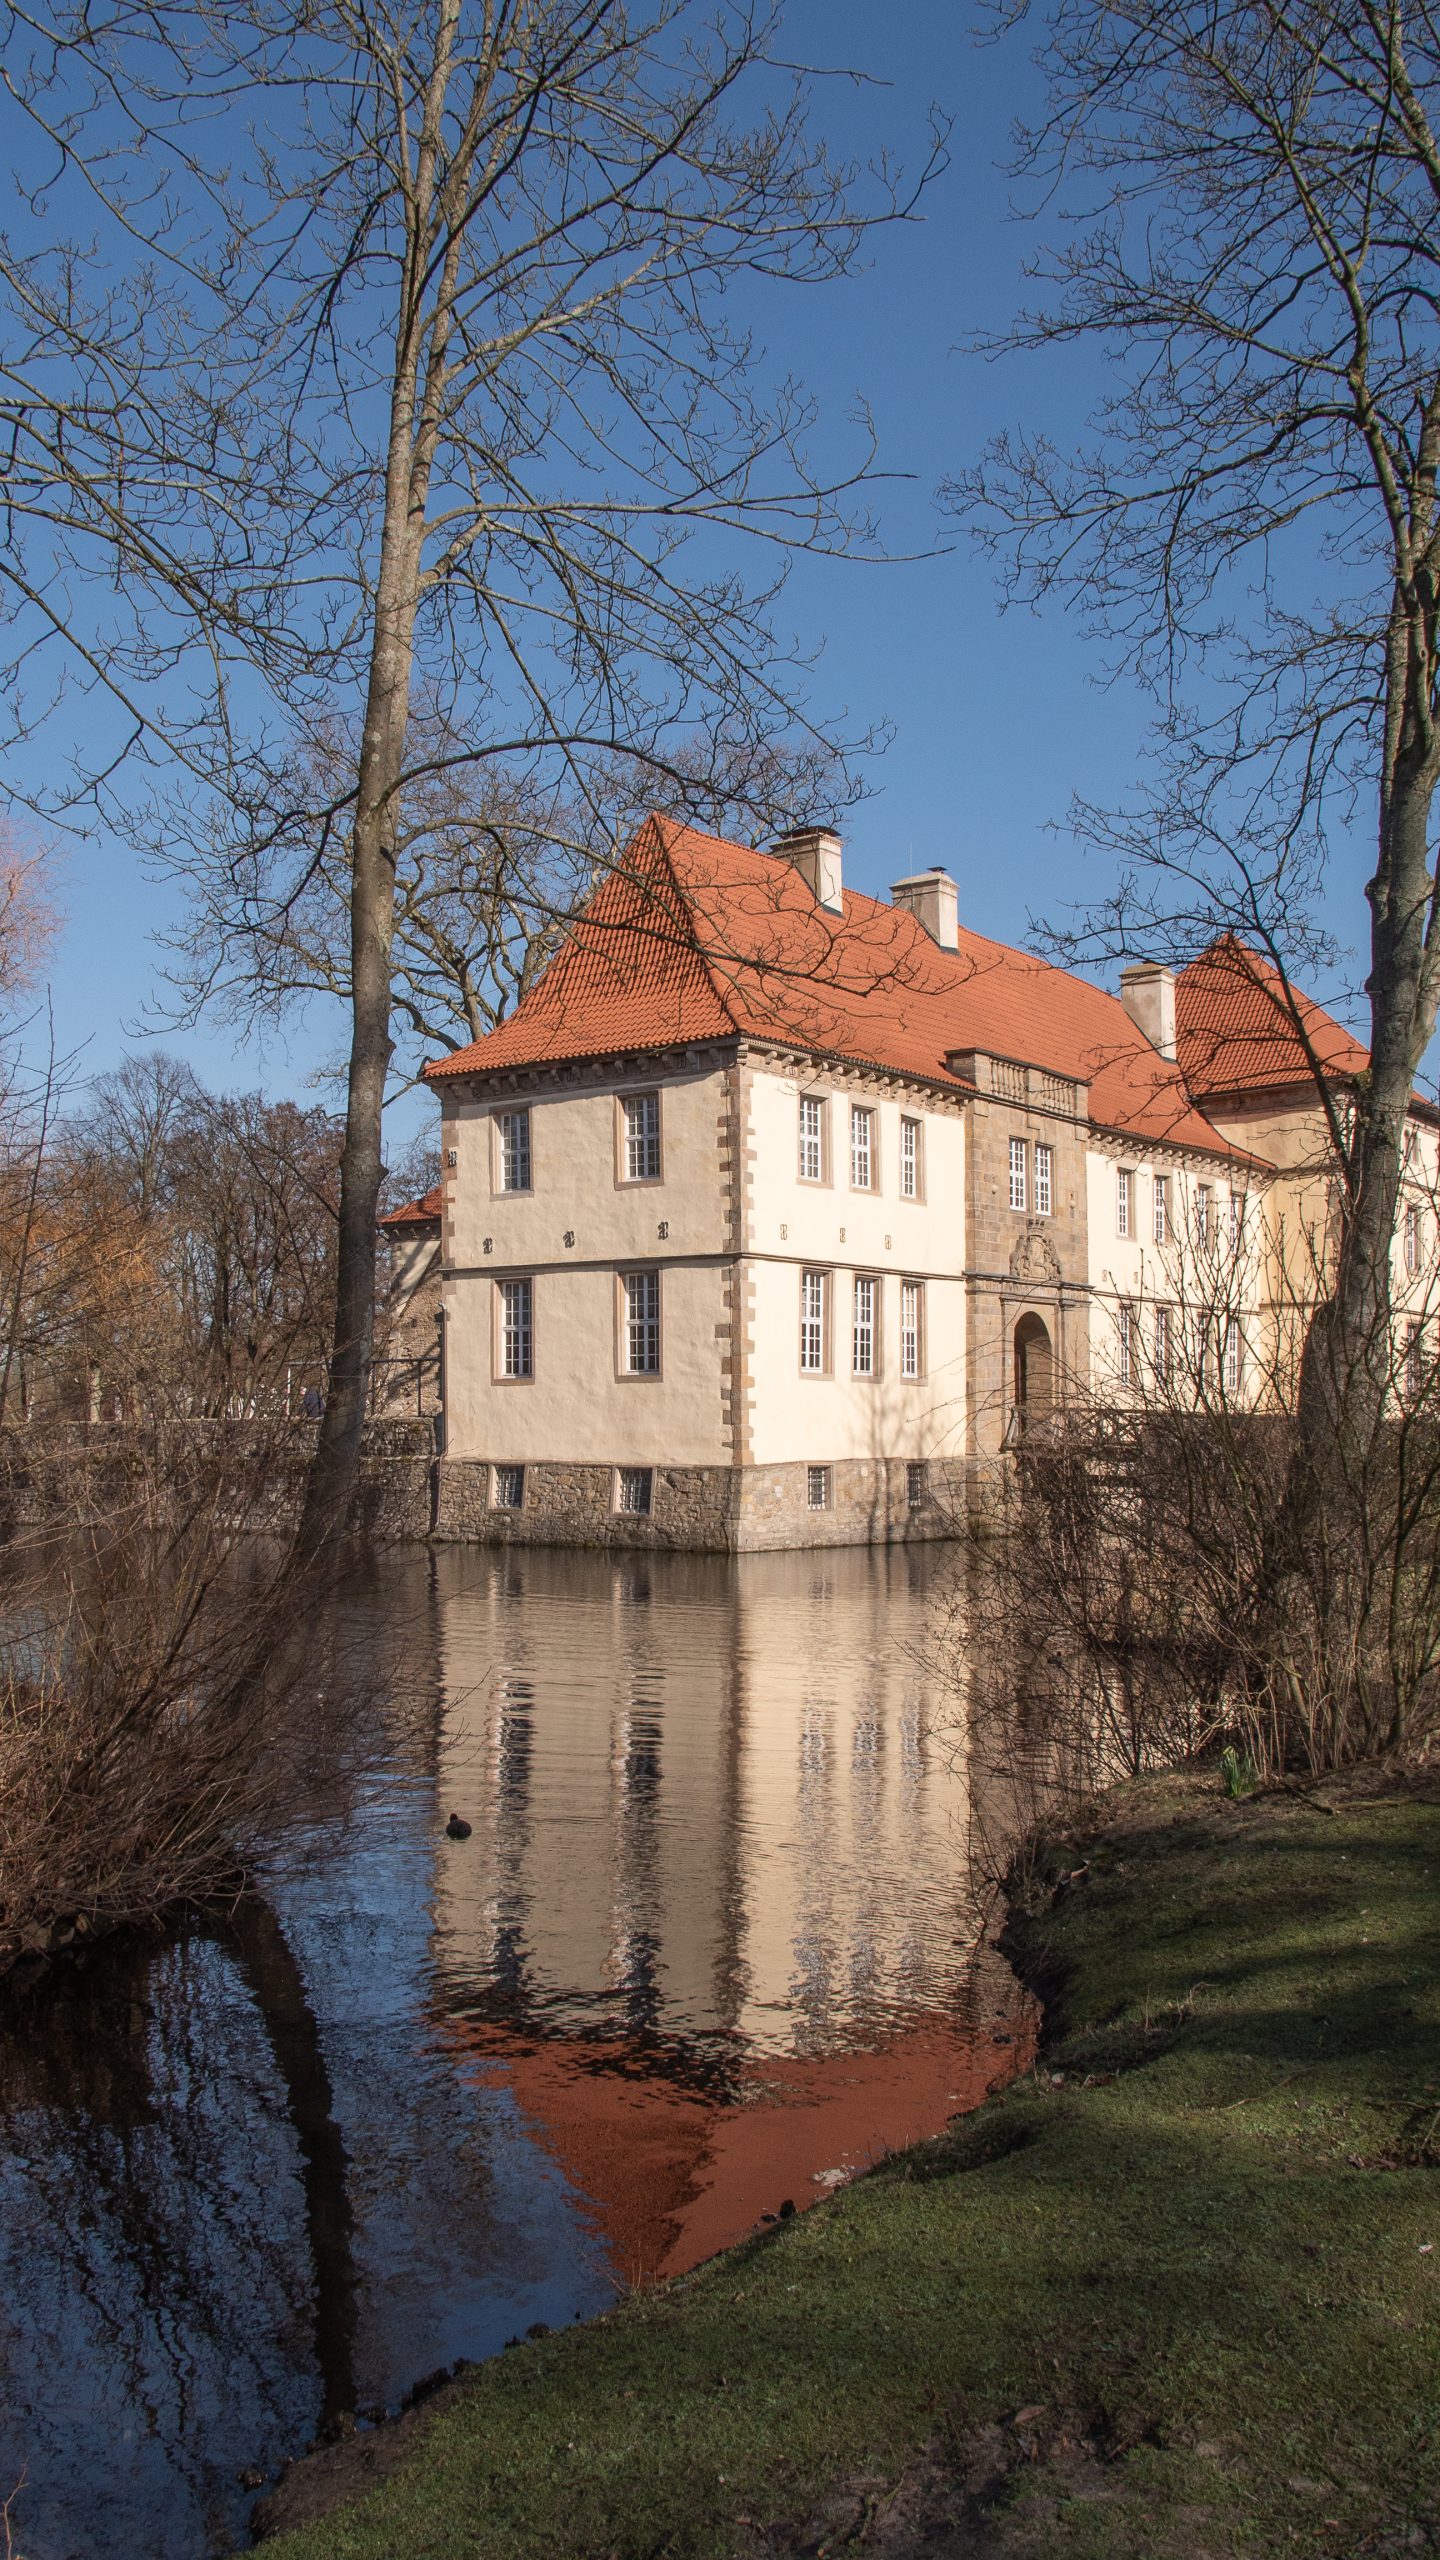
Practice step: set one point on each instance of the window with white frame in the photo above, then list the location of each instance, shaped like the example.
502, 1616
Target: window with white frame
909, 1157
1412, 1239
642, 1137
1237, 1220
814, 1326
634, 1490
508, 1492
817, 1488
1044, 1181
514, 1128
812, 1138
1125, 1354
862, 1147
1124, 1187
912, 1328
866, 1294
1164, 1346
640, 1291
517, 1328
1231, 1356
1018, 1185
1162, 1208
1202, 1213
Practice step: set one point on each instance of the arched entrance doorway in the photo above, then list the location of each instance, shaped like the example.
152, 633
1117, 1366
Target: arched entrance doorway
1034, 1372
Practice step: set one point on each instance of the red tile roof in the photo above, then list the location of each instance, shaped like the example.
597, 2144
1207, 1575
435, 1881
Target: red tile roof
424, 1212
1237, 1033
693, 938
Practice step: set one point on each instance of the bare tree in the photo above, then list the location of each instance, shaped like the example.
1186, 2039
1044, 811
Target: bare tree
467, 416
1248, 201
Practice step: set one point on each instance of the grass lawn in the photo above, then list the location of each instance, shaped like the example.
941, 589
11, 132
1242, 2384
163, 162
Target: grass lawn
1177, 2293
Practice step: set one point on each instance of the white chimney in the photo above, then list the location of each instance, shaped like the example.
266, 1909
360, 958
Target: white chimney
934, 901
815, 853
1147, 991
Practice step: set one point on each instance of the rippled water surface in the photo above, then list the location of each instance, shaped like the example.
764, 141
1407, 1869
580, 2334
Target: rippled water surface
704, 1949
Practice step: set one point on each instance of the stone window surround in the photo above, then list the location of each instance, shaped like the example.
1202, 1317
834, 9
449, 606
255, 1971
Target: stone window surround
625, 1180
867, 1112
915, 1376
500, 1189
625, 1375
820, 1104
826, 1277
500, 1375
874, 1281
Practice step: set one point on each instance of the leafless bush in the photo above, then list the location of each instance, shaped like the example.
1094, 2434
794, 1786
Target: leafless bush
169, 1697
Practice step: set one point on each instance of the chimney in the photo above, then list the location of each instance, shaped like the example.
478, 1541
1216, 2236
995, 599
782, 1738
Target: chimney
934, 901
815, 853
1147, 991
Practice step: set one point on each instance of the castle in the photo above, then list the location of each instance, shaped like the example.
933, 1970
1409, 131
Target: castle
775, 1214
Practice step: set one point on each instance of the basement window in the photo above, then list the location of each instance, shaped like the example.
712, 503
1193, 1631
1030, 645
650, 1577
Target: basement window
508, 1488
634, 1490
817, 1488
917, 1484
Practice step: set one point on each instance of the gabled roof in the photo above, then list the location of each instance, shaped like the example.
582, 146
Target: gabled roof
1237, 1032
692, 938
424, 1212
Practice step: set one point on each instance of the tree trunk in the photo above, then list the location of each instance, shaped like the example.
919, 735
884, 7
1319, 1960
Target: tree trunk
416, 406
335, 1468
1348, 1362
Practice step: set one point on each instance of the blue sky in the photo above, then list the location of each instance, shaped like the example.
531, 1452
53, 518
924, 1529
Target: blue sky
996, 718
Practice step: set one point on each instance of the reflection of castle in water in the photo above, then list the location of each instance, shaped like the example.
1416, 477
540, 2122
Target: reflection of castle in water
710, 1799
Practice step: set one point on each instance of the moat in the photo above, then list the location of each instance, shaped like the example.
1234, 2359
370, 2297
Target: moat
706, 1948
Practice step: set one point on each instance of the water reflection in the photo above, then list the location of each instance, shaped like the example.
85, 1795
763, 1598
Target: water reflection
701, 1945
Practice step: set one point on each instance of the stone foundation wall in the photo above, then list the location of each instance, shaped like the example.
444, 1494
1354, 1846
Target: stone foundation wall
407, 1494
705, 1509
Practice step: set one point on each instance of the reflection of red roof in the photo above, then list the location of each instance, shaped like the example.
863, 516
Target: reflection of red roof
1238, 1032
671, 2175
424, 1212
694, 938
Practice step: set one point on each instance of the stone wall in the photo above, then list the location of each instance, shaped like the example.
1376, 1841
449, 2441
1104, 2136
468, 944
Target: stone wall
714, 1509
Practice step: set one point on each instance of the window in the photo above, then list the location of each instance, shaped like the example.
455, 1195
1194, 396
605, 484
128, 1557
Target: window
634, 1487
1124, 1183
817, 1488
1414, 1362
1412, 1240
517, 1328
1044, 1181
917, 1484
912, 1328
865, 1294
1125, 1324
1017, 1173
812, 1138
1162, 1208
641, 1349
1230, 1357
814, 1312
508, 1489
1202, 1213
862, 1148
1237, 1220
1164, 1346
642, 1137
514, 1150
909, 1158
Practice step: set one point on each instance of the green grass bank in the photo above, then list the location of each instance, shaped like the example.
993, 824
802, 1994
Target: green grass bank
1176, 2293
